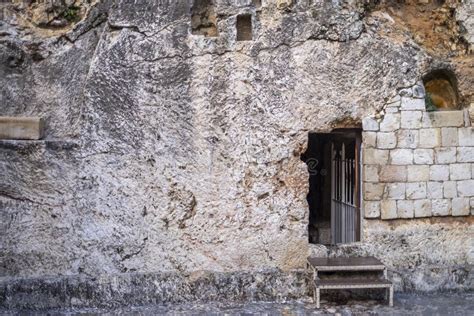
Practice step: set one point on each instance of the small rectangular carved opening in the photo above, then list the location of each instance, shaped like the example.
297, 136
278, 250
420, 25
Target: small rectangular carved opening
257, 3
204, 18
244, 27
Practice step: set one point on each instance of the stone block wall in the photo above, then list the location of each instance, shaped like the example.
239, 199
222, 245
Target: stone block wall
417, 163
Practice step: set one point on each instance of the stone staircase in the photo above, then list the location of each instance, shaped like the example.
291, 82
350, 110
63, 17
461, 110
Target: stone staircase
348, 274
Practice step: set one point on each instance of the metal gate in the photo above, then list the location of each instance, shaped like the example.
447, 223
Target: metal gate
344, 199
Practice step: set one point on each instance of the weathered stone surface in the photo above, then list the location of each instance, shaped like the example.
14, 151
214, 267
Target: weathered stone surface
439, 172
460, 206
423, 156
375, 156
441, 207
389, 209
392, 173
465, 154
418, 173
21, 128
395, 191
459, 171
466, 136
422, 208
405, 209
416, 190
443, 119
390, 122
371, 173
407, 138
449, 136
369, 139
419, 91
373, 191
386, 140
465, 188
133, 289
411, 119
445, 155
430, 138
371, 209
450, 189
370, 124
412, 104
401, 156
434, 190
168, 151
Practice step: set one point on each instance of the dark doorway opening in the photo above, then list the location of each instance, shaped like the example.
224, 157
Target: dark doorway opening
333, 161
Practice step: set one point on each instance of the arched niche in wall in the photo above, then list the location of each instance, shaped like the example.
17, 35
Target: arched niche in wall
441, 90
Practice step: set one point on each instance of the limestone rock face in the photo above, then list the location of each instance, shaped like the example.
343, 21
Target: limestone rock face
167, 151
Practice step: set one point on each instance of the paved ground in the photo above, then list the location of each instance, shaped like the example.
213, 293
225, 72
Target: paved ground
405, 304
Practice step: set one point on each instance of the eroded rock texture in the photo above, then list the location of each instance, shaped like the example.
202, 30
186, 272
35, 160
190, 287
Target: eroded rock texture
167, 151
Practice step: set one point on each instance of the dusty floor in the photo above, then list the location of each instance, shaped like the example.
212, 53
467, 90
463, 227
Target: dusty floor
458, 304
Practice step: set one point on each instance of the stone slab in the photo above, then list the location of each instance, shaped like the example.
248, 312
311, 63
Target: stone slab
26, 128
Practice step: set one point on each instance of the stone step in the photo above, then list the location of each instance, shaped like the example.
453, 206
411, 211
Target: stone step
17, 128
345, 264
350, 283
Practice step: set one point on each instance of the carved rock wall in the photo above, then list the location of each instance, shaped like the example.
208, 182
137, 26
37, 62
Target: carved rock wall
167, 151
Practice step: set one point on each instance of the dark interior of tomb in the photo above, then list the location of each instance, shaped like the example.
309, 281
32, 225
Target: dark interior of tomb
318, 160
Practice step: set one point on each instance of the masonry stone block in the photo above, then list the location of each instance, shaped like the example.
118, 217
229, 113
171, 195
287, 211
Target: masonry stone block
375, 156
423, 156
430, 138
419, 91
373, 191
418, 173
445, 155
369, 139
391, 110
370, 124
406, 92
371, 173
391, 173
372, 209
450, 189
443, 119
465, 154
410, 119
440, 207
471, 201
401, 156
460, 206
395, 191
466, 136
465, 188
422, 208
434, 190
394, 102
411, 104
27, 128
389, 209
390, 122
449, 136
386, 140
416, 190
460, 171
407, 138
439, 172
405, 209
